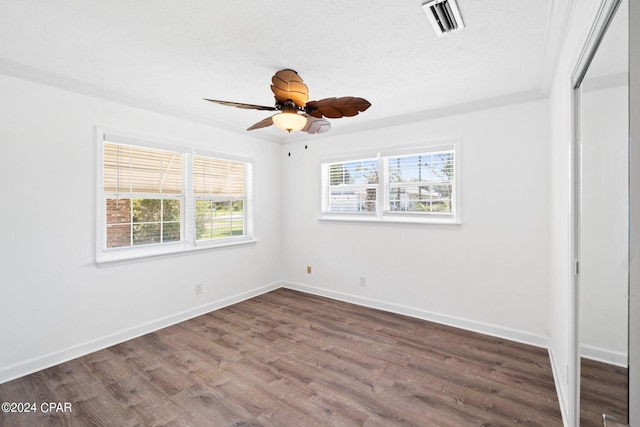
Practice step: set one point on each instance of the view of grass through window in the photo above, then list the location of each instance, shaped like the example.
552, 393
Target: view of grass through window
219, 189
219, 219
147, 200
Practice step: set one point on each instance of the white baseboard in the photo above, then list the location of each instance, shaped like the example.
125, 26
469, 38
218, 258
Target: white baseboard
604, 355
457, 322
36, 364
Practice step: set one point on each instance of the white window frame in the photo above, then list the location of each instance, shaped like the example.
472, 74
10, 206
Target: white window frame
325, 177
247, 201
109, 256
382, 212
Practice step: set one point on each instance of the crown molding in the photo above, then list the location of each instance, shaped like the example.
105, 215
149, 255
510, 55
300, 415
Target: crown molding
36, 75
559, 15
420, 116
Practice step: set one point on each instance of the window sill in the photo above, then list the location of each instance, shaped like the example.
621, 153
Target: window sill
389, 219
127, 256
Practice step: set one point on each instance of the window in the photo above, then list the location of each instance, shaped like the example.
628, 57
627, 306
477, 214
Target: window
415, 185
158, 199
220, 197
353, 186
144, 195
419, 182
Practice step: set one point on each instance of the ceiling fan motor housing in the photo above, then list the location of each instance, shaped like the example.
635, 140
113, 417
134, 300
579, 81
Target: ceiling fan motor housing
288, 106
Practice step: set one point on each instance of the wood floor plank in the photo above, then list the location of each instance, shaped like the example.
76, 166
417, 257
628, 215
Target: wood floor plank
603, 390
287, 358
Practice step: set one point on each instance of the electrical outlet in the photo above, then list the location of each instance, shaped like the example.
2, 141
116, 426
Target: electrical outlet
363, 281
308, 269
199, 288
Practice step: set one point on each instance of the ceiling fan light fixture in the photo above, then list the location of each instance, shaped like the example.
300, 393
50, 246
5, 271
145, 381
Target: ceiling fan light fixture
296, 112
289, 121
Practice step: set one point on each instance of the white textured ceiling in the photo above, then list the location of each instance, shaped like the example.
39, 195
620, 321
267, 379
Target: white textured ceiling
169, 54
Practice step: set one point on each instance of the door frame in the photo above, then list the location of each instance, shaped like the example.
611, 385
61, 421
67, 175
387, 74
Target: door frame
606, 11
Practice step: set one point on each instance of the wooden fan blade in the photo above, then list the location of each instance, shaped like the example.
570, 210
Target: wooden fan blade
262, 124
288, 85
334, 108
316, 125
242, 105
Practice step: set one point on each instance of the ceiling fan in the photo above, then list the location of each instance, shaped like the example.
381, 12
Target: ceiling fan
296, 112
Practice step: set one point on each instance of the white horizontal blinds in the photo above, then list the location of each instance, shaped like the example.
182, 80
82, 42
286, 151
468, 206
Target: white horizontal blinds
143, 192
131, 169
218, 177
219, 187
420, 183
353, 186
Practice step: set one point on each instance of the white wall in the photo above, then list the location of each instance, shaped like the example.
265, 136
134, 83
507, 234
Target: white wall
604, 276
489, 274
55, 303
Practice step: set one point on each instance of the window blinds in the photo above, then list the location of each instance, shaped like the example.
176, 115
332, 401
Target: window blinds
420, 182
159, 198
220, 196
353, 186
218, 177
130, 169
427, 168
408, 182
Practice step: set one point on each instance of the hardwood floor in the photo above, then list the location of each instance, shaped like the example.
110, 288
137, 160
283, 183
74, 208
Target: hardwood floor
292, 359
603, 390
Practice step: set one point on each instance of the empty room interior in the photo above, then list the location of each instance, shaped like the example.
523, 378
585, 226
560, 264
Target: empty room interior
320, 213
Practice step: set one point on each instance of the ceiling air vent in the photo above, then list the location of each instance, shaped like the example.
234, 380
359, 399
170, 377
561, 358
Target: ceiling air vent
444, 16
